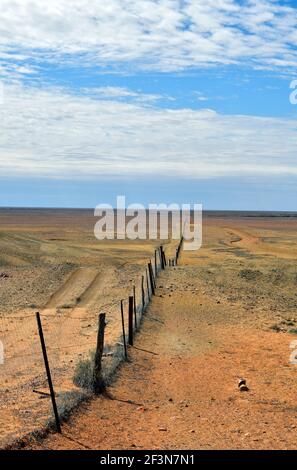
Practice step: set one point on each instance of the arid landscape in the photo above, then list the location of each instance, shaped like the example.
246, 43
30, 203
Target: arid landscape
227, 312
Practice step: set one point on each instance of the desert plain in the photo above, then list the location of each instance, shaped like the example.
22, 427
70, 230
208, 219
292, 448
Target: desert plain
226, 312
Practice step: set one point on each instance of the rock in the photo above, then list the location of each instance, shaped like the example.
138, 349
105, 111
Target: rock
162, 429
4, 275
242, 385
141, 408
243, 388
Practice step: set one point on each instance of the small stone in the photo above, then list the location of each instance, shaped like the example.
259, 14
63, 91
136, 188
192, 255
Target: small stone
242, 385
162, 429
141, 408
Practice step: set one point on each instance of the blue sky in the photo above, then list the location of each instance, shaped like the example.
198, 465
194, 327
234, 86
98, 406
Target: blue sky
164, 101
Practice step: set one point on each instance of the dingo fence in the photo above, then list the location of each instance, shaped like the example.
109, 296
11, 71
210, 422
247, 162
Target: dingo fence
50, 361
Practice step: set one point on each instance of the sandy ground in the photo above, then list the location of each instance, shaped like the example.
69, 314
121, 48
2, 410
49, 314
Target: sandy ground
228, 311
53, 264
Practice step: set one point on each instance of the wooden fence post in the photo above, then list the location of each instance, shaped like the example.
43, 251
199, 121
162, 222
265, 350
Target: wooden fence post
48, 373
151, 277
134, 307
99, 385
123, 329
130, 320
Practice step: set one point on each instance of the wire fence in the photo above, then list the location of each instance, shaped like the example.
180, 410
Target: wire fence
70, 340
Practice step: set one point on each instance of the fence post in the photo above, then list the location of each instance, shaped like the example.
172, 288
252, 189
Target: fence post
151, 277
48, 373
161, 257
156, 267
130, 320
134, 306
123, 329
164, 258
99, 385
147, 285
142, 293
181, 242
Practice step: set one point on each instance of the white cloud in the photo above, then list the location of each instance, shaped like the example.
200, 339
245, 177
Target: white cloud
117, 93
200, 96
150, 34
53, 134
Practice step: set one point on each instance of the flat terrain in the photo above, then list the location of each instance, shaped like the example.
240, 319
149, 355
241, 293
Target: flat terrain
51, 262
228, 311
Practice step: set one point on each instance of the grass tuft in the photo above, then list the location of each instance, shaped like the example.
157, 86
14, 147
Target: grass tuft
83, 373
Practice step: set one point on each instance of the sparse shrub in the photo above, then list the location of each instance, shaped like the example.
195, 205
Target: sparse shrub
293, 331
67, 401
275, 328
250, 274
83, 373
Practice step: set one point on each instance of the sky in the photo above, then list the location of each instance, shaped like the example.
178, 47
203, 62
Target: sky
177, 101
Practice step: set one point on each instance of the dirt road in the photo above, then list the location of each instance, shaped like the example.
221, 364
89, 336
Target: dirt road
180, 388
